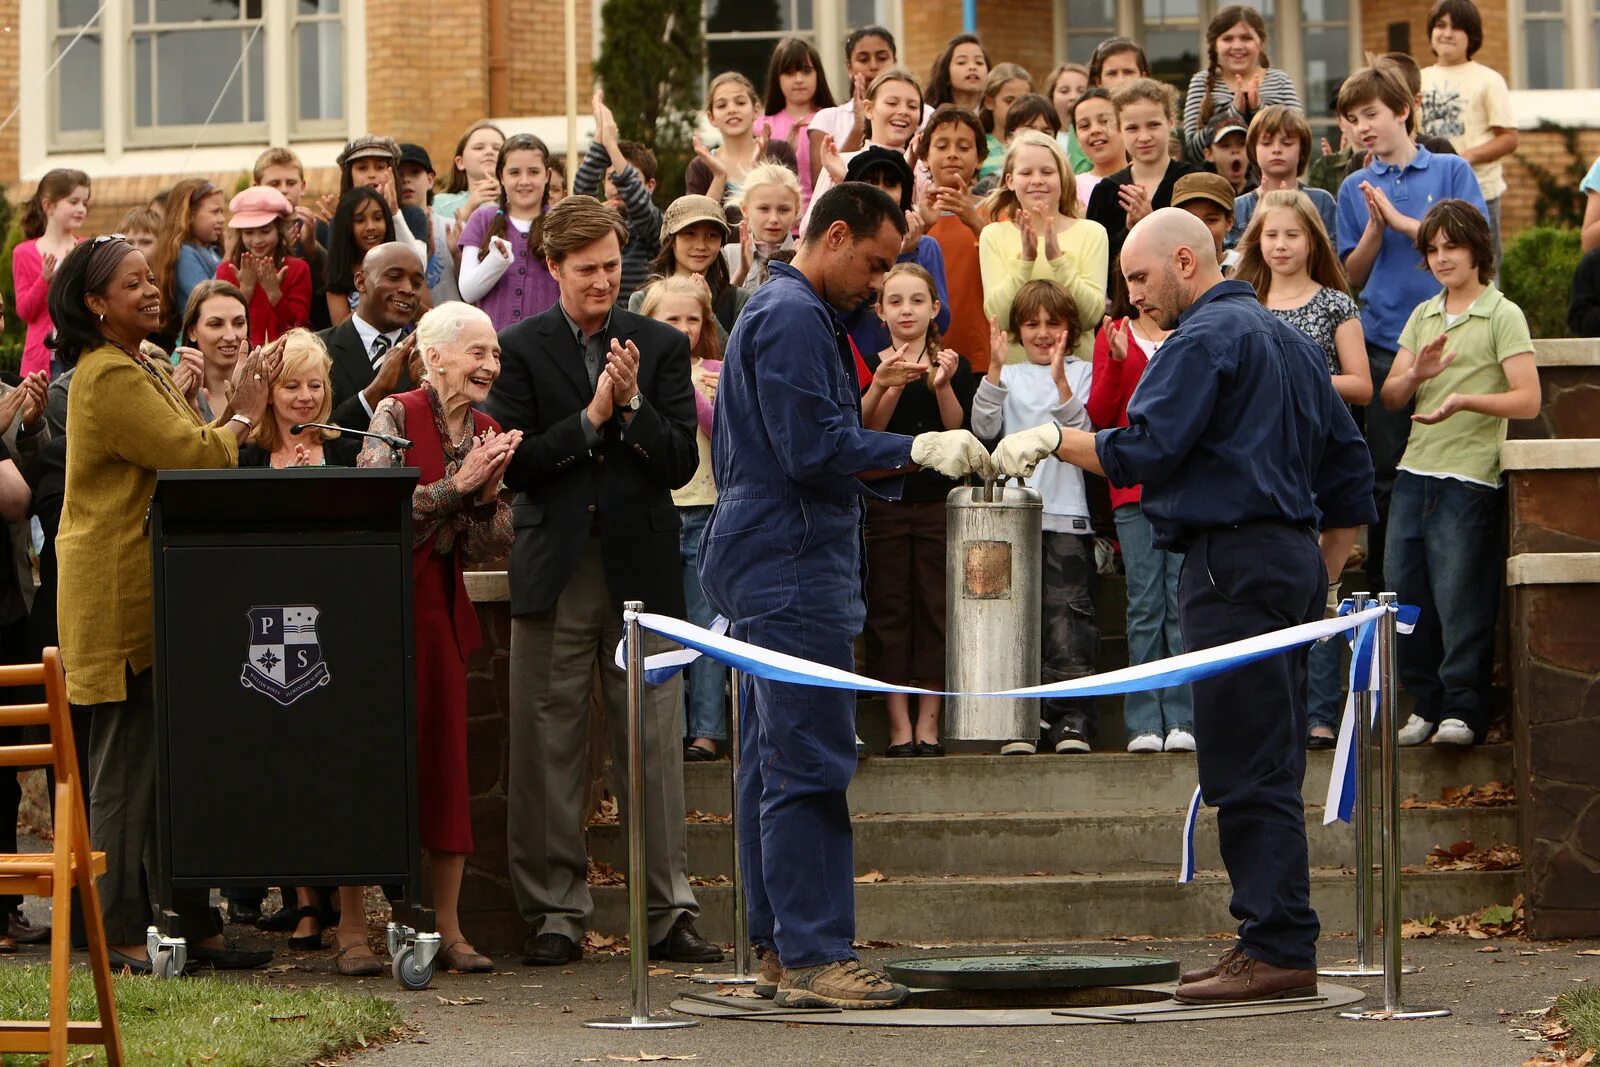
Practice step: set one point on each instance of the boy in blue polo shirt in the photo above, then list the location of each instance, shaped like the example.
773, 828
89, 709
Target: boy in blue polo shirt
1380, 209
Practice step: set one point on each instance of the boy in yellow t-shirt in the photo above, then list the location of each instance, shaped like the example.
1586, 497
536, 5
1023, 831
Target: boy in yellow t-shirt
1467, 357
1467, 102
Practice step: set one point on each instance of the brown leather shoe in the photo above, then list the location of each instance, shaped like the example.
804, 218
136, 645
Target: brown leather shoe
1202, 973
1244, 979
462, 957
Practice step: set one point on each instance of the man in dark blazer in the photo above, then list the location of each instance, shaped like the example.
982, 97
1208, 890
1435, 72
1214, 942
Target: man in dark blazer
607, 411
368, 352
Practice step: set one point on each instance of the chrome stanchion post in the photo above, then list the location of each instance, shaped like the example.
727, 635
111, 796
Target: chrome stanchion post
638, 934
1361, 824
741, 922
1389, 734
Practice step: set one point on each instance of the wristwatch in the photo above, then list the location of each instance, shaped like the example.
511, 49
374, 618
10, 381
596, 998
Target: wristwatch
636, 402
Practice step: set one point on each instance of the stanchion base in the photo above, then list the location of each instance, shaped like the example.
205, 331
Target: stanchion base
1352, 971
640, 1022
1378, 1015
724, 979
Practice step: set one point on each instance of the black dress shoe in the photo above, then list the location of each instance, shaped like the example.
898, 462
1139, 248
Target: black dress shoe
929, 748
549, 950
685, 945
229, 958
900, 751
242, 914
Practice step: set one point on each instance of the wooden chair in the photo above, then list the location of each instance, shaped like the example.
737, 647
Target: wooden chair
54, 874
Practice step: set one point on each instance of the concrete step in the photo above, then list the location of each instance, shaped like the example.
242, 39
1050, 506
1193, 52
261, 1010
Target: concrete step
931, 845
1100, 781
1068, 907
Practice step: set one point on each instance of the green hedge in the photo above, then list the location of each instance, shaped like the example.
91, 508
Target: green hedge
1536, 272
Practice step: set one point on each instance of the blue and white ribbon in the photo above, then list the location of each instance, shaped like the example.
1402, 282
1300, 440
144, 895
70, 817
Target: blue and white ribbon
1340, 805
1158, 674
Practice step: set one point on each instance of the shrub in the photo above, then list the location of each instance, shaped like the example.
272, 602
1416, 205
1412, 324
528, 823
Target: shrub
1536, 273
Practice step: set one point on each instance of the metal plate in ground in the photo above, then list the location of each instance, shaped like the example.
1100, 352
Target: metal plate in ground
1040, 970
742, 1009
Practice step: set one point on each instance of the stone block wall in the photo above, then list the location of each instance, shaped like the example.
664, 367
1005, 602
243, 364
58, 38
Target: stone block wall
1555, 669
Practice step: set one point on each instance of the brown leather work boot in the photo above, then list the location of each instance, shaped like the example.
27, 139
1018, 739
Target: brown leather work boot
1244, 979
1202, 973
843, 984
769, 972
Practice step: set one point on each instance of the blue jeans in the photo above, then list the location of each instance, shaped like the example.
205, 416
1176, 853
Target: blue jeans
1445, 555
705, 714
1153, 631
1328, 674
1386, 432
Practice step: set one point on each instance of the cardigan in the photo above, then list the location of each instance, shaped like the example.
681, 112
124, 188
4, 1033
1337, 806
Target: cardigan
269, 321
128, 421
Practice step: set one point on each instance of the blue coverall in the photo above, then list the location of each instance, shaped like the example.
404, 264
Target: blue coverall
781, 559
1244, 451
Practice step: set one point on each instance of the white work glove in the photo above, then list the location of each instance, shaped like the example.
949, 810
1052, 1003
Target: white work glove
1018, 454
953, 453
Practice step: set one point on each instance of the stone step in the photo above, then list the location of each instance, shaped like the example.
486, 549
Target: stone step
1100, 781
1110, 843
1068, 907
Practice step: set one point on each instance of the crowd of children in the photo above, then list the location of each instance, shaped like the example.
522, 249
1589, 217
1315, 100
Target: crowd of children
1005, 308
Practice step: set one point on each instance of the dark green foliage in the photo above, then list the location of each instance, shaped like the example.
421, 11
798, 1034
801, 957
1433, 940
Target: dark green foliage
1536, 273
650, 65
1559, 202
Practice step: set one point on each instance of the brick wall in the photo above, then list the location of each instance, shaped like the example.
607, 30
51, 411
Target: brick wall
1377, 15
1548, 150
538, 83
1014, 31
430, 85
925, 27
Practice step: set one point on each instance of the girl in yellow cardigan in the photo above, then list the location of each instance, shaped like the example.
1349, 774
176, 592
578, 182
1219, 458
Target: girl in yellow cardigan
1037, 233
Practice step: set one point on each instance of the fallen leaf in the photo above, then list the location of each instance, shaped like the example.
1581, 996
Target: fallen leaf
602, 873
657, 972
566, 1010
1589, 952
1413, 929
280, 1019
1490, 948
740, 991
649, 1057
871, 876
458, 1001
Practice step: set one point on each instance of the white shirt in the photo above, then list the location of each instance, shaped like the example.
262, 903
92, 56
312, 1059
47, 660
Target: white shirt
1027, 397
368, 334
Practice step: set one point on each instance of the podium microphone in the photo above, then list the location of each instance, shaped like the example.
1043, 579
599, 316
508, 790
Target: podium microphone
399, 444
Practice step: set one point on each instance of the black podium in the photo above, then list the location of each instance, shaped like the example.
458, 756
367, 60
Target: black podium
285, 686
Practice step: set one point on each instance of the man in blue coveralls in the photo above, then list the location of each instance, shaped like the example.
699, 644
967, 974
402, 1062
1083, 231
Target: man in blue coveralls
1245, 452
781, 559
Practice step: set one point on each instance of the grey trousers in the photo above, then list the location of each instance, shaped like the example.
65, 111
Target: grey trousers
552, 658
122, 818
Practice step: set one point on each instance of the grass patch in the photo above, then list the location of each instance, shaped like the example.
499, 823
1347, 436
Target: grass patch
1581, 1010
210, 1021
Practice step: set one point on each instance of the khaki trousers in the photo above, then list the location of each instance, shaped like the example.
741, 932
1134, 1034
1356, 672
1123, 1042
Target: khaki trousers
552, 659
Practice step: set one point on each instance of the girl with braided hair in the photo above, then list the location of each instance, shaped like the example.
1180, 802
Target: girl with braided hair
1238, 80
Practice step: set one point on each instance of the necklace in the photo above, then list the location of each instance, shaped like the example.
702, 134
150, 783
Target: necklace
1295, 299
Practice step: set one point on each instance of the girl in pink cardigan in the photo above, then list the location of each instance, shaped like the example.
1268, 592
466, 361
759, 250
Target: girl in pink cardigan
50, 220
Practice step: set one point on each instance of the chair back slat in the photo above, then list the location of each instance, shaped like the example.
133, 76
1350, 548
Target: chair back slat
21, 674
27, 755
24, 715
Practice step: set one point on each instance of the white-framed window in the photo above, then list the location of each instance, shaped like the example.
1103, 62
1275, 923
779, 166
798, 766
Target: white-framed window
740, 34
1088, 23
1555, 44
138, 74
1328, 39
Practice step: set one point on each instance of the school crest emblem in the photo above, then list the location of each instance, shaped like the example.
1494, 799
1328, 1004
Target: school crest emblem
285, 659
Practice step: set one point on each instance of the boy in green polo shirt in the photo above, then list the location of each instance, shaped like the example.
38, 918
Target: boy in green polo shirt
1467, 357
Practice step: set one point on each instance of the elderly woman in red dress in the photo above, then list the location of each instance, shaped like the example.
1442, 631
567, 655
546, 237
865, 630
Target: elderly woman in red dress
456, 518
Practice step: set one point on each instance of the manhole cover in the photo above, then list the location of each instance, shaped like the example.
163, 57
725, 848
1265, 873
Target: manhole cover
1037, 971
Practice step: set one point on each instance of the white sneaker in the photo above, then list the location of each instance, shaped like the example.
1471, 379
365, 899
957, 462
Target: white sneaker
1145, 743
1415, 731
1180, 740
1019, 748
1453, 733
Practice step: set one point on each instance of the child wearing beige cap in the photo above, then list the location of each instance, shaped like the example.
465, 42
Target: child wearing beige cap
693, 231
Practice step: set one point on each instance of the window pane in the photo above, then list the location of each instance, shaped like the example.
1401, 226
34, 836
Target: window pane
1327, 64
1084, 14
1547, 61
319, 7
192, 10
1174, 56
74, 13
186, 71
1081, 46
78, 85
864, 13
747, 56
1166, 10
321, 62
735, 16
1326, 10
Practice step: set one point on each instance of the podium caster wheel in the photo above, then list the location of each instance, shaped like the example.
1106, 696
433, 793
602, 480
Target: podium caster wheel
164, 964
408, 972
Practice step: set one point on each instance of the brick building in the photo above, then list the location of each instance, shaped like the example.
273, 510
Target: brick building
151, 89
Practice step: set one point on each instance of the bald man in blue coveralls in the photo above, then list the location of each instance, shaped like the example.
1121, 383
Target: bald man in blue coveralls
1245, 452
781, 558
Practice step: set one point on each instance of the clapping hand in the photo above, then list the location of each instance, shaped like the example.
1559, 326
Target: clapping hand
47, 265
1058, 367
1135, 201
327, 204
485, 463
1030, 236
1431, 361
35, 388
708, 157
253, 380
1117, 332
832, 161
999, 351
708, 383
897, 372
10, 406
944, 368
623, 366
189, 372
